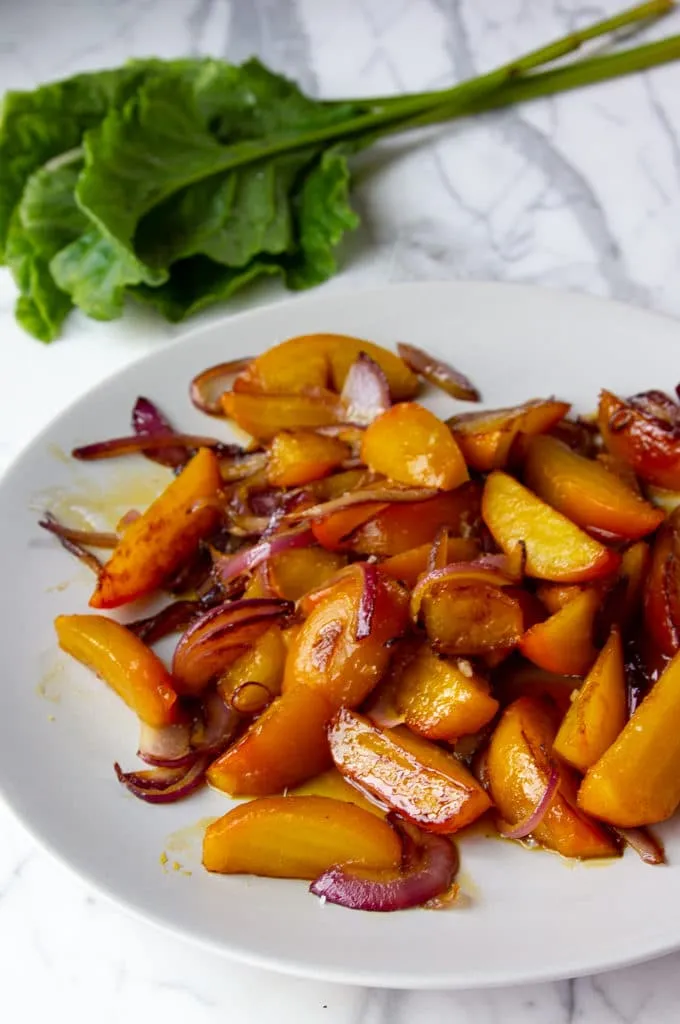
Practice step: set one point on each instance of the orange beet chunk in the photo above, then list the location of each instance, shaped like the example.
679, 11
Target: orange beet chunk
598, 714
163, 537
475, 619
636, 781
406, 525
518, 767
264, 416
295, 572
411, 775
585, 491
120, 658
486, 438
263, 663
411, 445
564, 643
299, 837
335, 531
299, 457
411, 564
645, 437
662, 588
321, 361
286, 745
443, 699
326, 654
556, 549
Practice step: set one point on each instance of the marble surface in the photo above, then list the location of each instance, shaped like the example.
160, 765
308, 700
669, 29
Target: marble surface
581, 192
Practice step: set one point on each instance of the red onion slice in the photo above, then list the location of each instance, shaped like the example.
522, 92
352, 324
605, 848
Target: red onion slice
366, 392
167, 746
239, 466
439, 373
217, 727
91, 538
430, 873
526, 827
492, 566
245, 561
221, 634
647, 846
157, 442
149, 421
163, 785
387, 495
73, 548
369, 594
172, 619
207, 387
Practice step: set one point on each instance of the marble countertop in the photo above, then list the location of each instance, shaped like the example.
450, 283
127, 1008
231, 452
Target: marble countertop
581, 192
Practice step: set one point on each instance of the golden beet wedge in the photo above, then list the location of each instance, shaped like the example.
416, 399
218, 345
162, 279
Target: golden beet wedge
406, 525
637, 779
411, 445
264, 416
326, 654
643, 435
320, 361
296, 571
263, 663
411, 564
299, 837
120, 658
473, 619
556, 549
163, 537
441, 698
410, 774
585, 491
564, 643
301, 456
286, 745
518, 768
598, 713
486, 438
661, 595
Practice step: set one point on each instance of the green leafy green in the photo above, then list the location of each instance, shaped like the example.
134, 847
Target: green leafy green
46, 219
197, 283
37, 126
323, 214
179, 182
96, 270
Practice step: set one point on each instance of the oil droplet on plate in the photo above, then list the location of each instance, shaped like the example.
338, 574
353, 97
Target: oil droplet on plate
90, 504
51, 682
186, 842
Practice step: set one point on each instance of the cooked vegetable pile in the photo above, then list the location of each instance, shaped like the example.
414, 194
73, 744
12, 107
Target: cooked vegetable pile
175, 183
391, 626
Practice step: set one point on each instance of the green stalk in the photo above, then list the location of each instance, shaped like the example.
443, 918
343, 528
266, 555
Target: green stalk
544, 55
548, 83
414, 110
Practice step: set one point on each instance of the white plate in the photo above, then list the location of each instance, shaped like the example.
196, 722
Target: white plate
532, 916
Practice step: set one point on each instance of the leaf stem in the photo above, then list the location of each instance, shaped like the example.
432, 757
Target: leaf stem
547, 83
555, 50
411, 111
